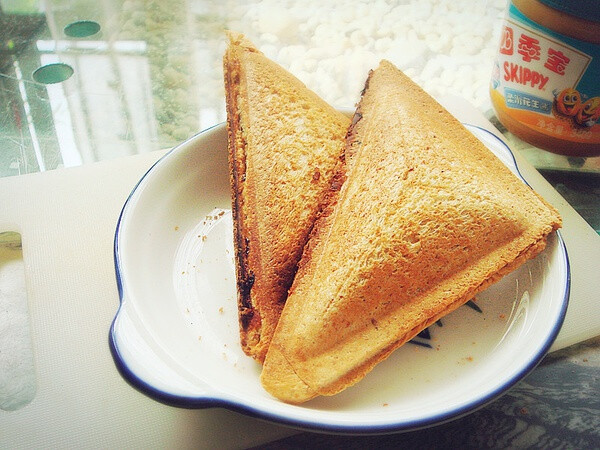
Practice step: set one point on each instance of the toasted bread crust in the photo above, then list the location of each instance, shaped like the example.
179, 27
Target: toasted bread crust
426, 218
284, 142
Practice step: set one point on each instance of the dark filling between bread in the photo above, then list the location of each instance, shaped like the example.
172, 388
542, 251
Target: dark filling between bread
244, 276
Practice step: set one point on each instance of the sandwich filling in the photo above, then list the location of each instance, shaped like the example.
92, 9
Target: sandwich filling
237, 150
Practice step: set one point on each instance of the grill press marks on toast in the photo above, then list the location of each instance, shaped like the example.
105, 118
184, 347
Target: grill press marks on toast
284, 142
427, 217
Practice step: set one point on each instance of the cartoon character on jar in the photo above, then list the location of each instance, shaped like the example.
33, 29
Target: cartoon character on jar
589, 112
568, 102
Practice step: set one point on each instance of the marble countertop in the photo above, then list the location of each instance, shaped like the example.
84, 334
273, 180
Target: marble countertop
149, 76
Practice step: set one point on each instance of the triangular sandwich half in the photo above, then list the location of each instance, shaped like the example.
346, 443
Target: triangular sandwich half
426, 218
284, 142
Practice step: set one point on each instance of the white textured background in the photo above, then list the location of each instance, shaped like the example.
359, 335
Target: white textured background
447, 47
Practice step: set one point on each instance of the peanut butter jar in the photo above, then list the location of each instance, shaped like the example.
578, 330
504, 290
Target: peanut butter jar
545, 85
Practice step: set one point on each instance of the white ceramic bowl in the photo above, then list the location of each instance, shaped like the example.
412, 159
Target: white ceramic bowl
175, 336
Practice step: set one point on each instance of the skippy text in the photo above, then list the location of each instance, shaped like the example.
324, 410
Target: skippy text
516, 73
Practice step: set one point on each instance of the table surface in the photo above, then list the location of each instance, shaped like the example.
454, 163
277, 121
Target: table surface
143, 75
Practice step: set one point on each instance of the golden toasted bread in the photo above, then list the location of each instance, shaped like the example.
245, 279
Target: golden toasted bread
426, 217
284, 142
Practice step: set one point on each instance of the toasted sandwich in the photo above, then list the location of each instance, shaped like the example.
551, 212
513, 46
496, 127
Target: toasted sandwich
284, 142
425, 218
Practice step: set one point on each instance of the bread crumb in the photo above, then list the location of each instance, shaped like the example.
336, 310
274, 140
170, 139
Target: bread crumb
176, 228
221, 310
502, 316
386, 404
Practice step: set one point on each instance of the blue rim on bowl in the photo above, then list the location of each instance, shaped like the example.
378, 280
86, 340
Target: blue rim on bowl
126, 341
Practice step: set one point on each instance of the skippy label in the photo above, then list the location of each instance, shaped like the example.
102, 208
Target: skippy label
547, 81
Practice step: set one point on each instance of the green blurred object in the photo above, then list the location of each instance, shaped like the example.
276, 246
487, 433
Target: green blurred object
82, 28
20, 6
53, 73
